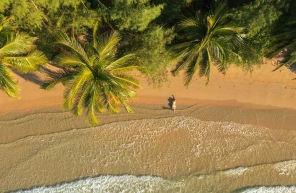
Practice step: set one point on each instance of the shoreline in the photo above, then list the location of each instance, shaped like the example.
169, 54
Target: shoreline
196, 141
16, 125
235, 122
226, 98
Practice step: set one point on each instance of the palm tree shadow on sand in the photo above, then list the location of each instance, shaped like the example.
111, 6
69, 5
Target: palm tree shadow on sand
170, 103
30, 76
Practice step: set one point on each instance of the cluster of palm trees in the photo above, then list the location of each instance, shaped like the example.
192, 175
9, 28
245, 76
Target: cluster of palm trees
96, 78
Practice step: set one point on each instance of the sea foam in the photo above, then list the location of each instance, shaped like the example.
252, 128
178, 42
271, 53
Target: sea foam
275, 189
108, 183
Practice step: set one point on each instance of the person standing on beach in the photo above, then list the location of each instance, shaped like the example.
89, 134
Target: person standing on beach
174, 104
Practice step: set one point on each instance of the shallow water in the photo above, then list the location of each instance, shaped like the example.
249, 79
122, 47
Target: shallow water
129, 183
170, 154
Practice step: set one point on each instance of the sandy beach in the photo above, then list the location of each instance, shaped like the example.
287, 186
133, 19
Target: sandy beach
239, 126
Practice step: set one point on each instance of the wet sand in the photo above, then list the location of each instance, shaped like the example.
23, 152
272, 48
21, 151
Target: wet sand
202, 154
239, 127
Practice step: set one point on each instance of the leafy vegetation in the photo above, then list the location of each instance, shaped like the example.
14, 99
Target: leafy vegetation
163, 35
283, 38
93, 76
206, 40
17, 52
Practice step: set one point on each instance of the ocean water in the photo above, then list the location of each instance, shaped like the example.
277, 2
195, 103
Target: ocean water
133, 184
275, 189
170, 154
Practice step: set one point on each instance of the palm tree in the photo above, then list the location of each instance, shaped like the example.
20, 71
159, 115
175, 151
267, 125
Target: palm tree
284, 39
94, 77
17, 51
205, 40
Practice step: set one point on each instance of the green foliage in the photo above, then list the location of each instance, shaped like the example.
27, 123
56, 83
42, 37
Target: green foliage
147, 26
94, 77
34, 15
76, 19
7, 82
258, 17
204, 41
284, 38
4, 4
172, 9
42, 18
25, 15
133, 15
152, 56
17, 52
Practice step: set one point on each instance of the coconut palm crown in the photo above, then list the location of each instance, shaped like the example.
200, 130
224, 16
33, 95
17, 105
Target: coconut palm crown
204, 41
94, 77
18, 52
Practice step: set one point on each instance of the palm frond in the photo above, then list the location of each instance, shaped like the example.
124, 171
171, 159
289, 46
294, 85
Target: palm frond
95, 30
124, 69
7, 84
193, 65
78, 103
69, 60
219, 52
107, 48
124, 81
76, 86
289, 61
203, 62
18, 44
292, 59
209, 65
187, 23
290, 34
280, 46
226, 31
92, 118
107, 98
112, 108
4, 23
28, 63
184, 47
73, 45
127, 80
91, 104
126, 106
55, 77
279, 66
121, 62
189, 55
218, 14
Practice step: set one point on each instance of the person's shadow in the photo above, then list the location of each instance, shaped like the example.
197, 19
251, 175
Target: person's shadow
170, 103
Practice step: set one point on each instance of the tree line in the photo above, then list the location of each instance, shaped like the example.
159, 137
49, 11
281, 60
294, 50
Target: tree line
95, 44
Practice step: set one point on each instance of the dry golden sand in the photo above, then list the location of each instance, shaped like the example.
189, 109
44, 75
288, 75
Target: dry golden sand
42, 145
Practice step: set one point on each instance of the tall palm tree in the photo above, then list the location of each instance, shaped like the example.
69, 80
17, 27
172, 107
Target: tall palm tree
17, 51
94, 77
204, 41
